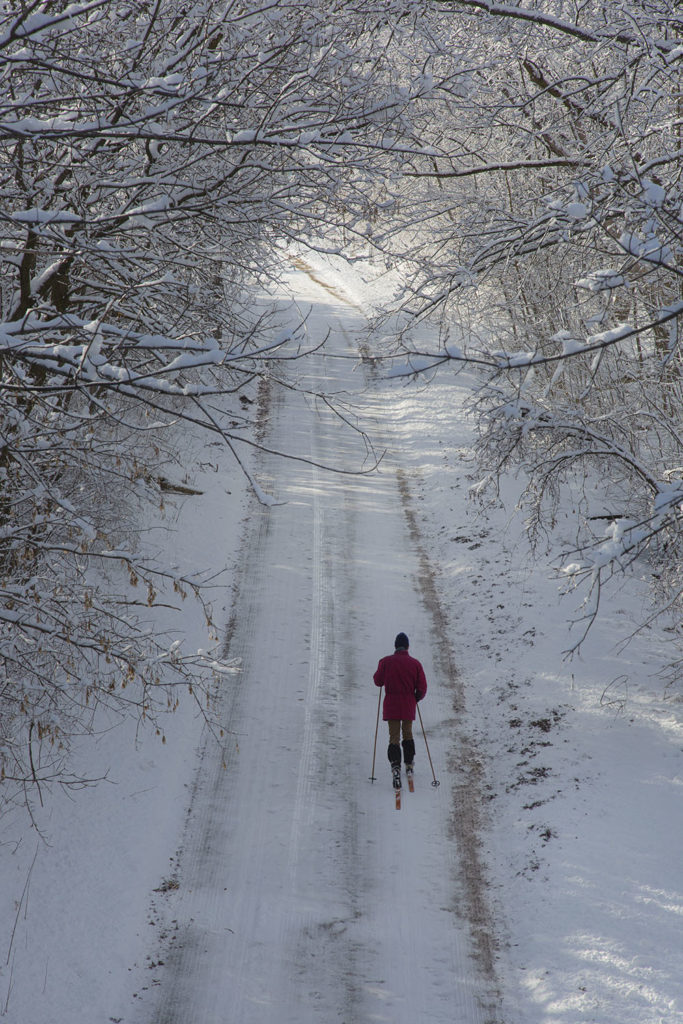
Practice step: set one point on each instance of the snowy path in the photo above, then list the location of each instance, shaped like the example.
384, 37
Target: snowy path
304, 896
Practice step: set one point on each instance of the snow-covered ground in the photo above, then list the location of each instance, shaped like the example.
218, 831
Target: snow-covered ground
541, 882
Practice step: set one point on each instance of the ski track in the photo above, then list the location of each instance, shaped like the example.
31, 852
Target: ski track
305, 898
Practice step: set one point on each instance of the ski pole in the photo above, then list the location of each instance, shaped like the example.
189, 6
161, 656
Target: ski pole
374, 749
436, 781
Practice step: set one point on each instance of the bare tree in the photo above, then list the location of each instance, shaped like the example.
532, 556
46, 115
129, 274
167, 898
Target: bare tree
155, 161
548, 218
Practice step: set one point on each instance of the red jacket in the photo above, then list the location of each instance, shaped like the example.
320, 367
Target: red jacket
403, 679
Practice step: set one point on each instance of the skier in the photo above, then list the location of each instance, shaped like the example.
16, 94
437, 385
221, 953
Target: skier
403, 679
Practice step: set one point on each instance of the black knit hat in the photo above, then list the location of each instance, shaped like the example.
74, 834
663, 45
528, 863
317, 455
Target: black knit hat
402, 641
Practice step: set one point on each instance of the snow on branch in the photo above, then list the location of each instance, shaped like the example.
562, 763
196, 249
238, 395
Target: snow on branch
537, 16
594, 343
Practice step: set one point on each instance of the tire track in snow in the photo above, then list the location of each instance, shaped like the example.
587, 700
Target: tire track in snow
467, 790
325, 953
202, 906
303, 810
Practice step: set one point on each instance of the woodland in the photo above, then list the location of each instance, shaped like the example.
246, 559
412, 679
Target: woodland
517, 164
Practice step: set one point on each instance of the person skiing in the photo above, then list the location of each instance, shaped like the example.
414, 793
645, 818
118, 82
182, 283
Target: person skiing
404, 682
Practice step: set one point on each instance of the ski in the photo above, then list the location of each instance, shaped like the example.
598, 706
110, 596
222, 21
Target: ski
396, 777
411, 781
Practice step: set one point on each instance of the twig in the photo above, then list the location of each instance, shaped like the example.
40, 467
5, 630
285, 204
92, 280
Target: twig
33, 767
21, 903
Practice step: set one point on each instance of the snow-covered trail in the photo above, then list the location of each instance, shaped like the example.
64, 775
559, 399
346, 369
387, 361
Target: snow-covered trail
304, 896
